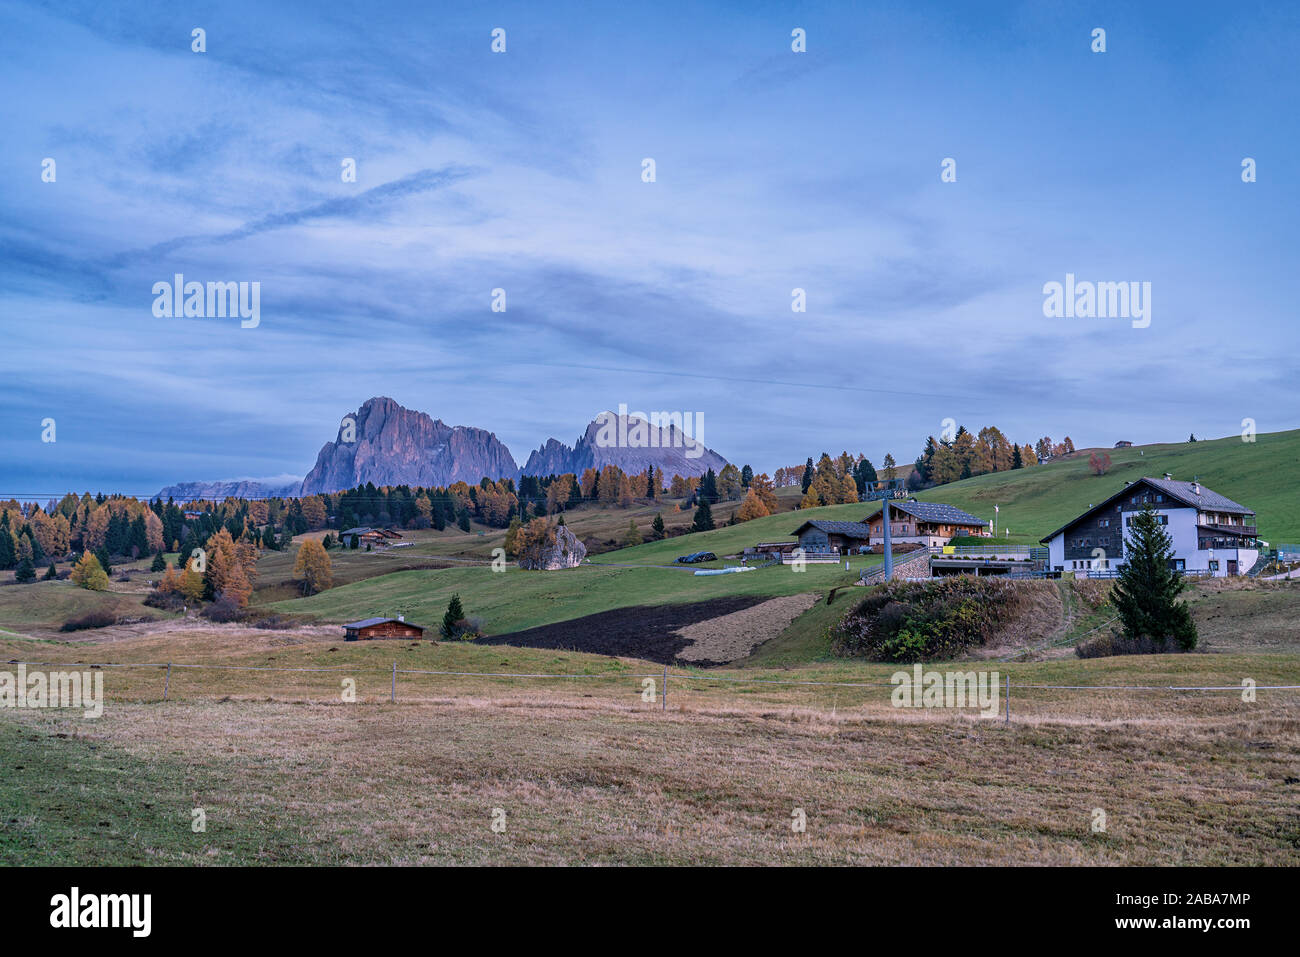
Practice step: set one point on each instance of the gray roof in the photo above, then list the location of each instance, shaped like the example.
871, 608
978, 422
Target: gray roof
359, 530
937, 512
1208, 500
367, 622
851, 529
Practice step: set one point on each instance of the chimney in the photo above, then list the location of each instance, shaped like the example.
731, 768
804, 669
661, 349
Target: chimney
1169, 476
1196, 487
401, 618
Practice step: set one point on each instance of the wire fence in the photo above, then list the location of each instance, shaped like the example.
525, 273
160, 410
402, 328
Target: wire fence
1003, 683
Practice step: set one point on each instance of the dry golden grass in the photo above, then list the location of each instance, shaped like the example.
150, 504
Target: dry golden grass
587, 772
586, 782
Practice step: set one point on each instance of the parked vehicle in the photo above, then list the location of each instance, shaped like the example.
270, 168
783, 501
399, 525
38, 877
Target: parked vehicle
696, 557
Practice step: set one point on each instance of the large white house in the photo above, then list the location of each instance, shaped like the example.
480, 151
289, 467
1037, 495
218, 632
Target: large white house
1212, 535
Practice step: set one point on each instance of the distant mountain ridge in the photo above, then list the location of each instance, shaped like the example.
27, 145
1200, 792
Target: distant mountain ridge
630, 442
388, 444
239, 488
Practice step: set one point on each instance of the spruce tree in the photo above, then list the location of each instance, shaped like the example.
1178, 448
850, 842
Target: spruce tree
25, 572
455, 613
1146, 594
703, 518
807, 476
51, 573
103, 556
658, 525
709, 487
8, 558
159, 563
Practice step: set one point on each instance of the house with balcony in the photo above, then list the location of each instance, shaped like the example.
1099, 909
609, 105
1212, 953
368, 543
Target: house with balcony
1212, 535
931, 524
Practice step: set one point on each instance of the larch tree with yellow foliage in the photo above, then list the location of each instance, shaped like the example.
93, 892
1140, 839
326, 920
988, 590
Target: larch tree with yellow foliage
89, 574
752, 507
313, 567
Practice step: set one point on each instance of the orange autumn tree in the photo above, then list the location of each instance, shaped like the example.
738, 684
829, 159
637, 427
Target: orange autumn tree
762, 486
231, 568
313, 567
752, 507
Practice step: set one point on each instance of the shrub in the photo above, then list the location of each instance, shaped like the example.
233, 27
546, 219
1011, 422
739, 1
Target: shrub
466, 629
93, 619
923, 621
166, 600
1104, 646
226, 608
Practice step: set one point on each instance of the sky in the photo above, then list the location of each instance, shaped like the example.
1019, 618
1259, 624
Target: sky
522, 171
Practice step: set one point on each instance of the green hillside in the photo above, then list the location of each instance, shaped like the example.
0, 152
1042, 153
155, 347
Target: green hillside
1034, 502
515, 599
1263, 475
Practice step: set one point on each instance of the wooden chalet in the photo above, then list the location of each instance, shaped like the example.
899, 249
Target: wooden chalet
367, 628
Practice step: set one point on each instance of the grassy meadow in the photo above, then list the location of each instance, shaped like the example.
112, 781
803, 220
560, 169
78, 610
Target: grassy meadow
586, 772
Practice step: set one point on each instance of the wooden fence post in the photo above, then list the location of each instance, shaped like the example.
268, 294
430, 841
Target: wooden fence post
167, 682
393, 694
663, 700
1008, 721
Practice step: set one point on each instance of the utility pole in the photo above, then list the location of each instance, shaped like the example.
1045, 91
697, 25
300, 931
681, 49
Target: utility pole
889, 540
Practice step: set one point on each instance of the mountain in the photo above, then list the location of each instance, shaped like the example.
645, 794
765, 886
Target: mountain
390, 445
386, 444
630, 442
216, 491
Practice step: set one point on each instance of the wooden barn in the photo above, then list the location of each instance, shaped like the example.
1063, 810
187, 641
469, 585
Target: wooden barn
381, 628
364, 535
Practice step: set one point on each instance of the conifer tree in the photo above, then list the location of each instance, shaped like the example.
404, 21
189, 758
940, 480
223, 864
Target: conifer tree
8, 557
1146, 594
455, 613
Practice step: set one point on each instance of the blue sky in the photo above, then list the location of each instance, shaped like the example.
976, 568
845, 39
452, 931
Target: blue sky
522, 171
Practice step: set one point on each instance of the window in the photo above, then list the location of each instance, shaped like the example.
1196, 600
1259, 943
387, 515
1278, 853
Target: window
1214, 564
1104, 523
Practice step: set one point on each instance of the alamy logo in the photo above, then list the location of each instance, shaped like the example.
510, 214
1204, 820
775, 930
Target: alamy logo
216, 300
57, 689
134, 911
1098, 300
919, 688
637, 430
